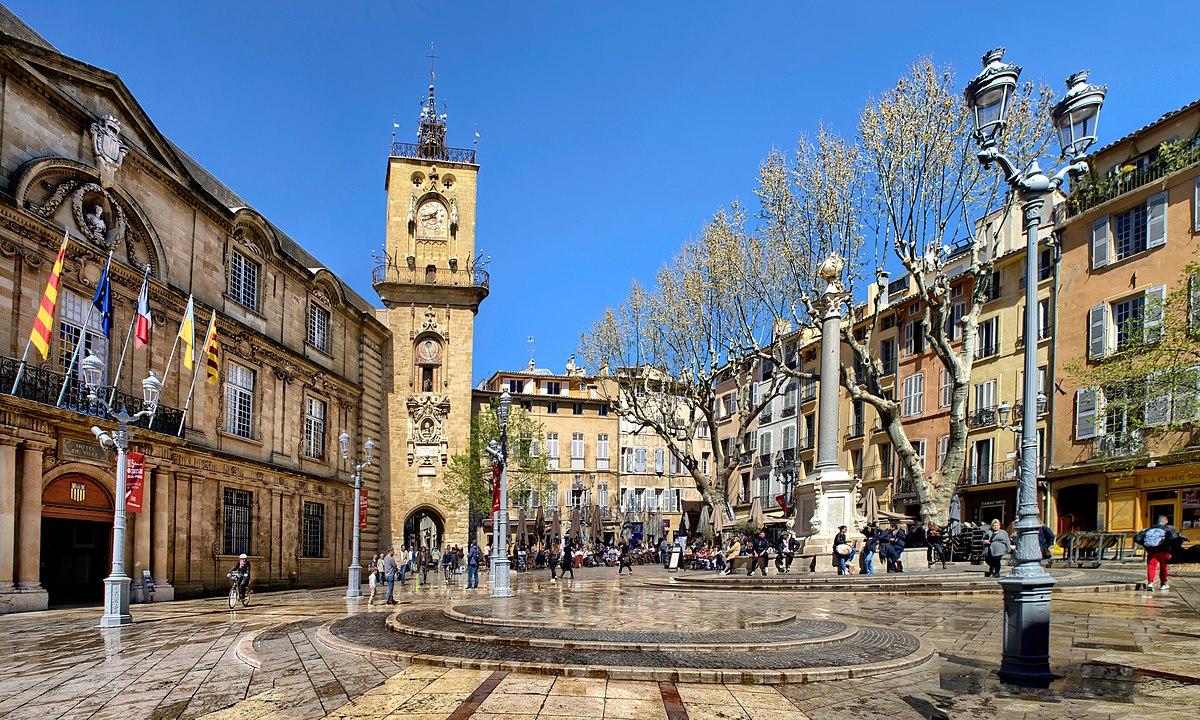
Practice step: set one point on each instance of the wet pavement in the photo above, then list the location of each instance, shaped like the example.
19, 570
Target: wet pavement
1120, 654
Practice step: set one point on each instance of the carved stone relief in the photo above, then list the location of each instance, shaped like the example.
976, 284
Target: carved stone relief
427, 442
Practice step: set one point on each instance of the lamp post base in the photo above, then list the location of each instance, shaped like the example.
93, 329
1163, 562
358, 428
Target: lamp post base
1026, 658
354, 583
501, 587
116, 602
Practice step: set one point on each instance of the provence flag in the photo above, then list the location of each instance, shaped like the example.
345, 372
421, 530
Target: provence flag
211, 349
40, 336
102, 301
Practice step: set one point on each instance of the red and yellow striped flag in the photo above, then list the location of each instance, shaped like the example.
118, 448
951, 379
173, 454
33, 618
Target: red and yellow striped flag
40, 336
211, 349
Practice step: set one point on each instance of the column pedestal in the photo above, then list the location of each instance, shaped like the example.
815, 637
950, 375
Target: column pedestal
831, 493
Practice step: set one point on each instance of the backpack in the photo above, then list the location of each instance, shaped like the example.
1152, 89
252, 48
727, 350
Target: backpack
1154, 537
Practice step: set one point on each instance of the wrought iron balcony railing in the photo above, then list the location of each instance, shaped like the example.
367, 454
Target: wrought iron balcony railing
445, 154
1090, 192
986, 350
388, 270
42, 385
788, 411
857, 429
983, 417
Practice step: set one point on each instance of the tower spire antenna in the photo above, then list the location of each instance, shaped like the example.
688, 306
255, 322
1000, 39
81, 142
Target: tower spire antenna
432, 57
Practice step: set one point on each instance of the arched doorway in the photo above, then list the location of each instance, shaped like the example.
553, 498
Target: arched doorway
77, 514
423, 528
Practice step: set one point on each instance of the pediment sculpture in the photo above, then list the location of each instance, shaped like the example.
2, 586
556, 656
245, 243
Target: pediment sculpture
427, 442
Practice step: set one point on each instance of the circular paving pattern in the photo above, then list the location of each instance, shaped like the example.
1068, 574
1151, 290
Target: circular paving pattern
794, 650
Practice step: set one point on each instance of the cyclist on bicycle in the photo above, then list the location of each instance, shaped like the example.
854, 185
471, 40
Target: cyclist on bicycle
242, 573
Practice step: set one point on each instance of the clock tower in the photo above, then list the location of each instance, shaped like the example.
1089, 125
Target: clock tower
431, 283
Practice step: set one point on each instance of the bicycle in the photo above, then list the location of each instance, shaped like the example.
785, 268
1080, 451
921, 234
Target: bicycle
235, 593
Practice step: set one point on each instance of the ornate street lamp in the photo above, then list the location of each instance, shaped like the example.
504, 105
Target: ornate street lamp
354, 576
116, 585
1026, 657
499, 454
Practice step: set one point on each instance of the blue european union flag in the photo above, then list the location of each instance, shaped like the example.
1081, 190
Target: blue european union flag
103, 300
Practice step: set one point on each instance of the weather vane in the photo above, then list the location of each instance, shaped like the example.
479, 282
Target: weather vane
432, 57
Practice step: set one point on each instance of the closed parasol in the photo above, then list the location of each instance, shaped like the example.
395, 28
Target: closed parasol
704, 521
539, 525
871, 507
718, 523
575, 527
597, 525
522, 528
756, 514
556, 534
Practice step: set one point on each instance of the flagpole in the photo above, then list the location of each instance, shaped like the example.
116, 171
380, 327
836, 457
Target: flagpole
187, 405
82, 337
167, 372
21, 369
125, 348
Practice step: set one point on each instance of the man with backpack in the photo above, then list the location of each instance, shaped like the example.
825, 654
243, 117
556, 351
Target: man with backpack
474, 560
1158, 541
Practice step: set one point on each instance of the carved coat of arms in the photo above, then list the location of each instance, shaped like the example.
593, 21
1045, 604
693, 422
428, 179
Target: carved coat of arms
107, 145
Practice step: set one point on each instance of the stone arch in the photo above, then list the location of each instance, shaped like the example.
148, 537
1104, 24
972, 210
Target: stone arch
424, 526
326, 284
65, 192
77, 496
252, 232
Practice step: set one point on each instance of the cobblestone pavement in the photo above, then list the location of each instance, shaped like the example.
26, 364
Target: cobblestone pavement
1125, 654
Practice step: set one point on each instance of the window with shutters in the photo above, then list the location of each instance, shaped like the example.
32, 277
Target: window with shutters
577, 451
987, 338
943, 448
1043, 321
913, 402
1127, 321
314, 428
1129, 232
602, 451
639, 460
980, 472
239, 400
887, 356
764, 446
887, 461
914, 338
552, 450
789, 437
954, 322
810, 431
660, 460
318, 327
947, 389
243, 280
314, 529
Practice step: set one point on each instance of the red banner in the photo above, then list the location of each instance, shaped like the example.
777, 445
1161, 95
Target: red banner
135, 471
781, 500
495, 488
362, 509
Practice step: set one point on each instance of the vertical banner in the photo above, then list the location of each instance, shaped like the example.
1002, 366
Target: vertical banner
362, 509
496, 488
135, 471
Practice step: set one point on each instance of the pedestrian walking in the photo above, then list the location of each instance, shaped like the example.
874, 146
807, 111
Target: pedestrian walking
870, 546
424, 562
996, 545
554, 553
1158, 540
625, 560
389, 574
936, 550
372, 580
567, 563
1046, 543
474, 560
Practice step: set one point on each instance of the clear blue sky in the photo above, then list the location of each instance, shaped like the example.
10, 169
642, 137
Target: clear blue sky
610, 131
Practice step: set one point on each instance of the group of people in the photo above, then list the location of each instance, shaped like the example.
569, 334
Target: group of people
390, 566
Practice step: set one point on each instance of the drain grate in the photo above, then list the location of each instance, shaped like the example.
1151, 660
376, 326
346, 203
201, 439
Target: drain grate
1107, 646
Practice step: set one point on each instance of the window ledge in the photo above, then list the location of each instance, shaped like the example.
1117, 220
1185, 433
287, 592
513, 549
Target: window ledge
318, 349
241, 438
244, 308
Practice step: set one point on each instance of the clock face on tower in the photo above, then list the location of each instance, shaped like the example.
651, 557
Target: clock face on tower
431, 219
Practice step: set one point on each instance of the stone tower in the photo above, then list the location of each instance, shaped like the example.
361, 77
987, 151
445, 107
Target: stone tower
431, 283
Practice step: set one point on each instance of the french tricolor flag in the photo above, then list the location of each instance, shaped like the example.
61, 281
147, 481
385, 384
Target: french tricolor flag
144, 322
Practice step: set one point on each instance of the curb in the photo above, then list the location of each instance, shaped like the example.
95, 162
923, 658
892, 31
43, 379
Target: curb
244, 650
924, 652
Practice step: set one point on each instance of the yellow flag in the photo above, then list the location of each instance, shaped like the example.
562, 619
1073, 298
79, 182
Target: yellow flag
187, 333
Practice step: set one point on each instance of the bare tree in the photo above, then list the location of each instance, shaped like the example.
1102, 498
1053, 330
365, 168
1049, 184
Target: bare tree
924, 187
666, 350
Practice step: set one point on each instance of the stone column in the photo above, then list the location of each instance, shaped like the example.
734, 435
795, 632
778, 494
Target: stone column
29, 554
160, 530
8, 512
830, 489
141, 527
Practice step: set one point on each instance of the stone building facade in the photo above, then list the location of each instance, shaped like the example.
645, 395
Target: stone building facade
255, 465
